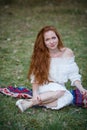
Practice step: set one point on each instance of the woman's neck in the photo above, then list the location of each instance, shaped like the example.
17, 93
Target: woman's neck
55, 53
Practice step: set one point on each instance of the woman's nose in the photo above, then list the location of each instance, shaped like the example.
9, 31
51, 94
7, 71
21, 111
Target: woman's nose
51, 41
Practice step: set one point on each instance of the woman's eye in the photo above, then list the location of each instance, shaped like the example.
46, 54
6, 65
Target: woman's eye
46, 39
53, 37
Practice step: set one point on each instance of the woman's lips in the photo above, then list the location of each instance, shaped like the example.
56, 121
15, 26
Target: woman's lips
52, 45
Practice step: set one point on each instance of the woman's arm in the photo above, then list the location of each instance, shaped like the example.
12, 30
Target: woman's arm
36, 96
35, 89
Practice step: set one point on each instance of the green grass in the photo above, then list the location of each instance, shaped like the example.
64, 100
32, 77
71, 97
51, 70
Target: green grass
18, 29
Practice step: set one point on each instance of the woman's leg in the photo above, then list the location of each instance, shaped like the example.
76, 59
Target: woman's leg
65, 100
49, 98
46, 98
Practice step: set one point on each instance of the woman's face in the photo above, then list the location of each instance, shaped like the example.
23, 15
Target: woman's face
51, 40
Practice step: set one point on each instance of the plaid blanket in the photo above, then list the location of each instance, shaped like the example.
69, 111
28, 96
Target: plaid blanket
79, 99
17, 92
23, 92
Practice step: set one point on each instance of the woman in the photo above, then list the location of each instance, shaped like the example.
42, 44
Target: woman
51, 66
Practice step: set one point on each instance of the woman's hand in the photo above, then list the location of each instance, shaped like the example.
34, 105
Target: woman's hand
37, 98
84, 93
81, 88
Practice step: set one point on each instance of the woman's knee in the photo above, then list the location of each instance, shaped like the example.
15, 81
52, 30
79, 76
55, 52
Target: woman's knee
60, 93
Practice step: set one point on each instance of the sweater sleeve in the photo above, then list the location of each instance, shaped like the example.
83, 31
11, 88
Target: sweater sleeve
73, 73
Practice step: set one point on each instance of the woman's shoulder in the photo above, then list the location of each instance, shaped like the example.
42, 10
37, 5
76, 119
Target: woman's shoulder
67, 53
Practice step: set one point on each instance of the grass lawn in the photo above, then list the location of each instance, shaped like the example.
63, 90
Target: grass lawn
18, 29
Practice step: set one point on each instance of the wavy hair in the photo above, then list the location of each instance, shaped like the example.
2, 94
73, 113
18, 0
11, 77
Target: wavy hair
40, 60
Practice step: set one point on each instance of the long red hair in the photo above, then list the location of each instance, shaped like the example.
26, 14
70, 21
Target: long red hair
40, 60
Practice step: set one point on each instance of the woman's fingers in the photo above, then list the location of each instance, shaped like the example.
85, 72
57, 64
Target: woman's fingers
84, 93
